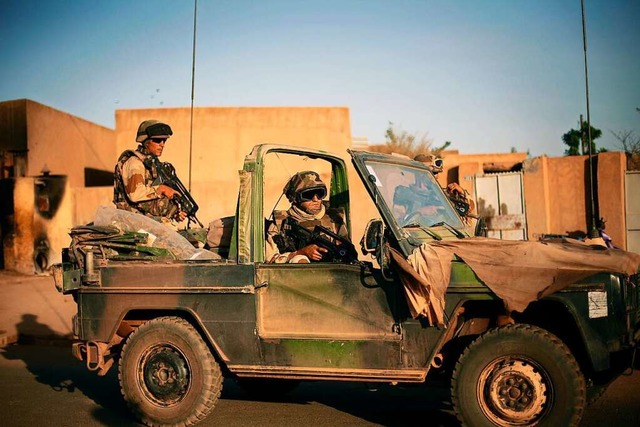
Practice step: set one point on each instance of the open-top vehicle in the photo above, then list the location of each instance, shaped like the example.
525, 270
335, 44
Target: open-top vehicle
176, 323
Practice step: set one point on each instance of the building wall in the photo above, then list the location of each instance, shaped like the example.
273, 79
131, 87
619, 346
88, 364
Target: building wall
556, 189
222, 137
536, 197
611, 195
39, 225
64, 143
13, 125
558, 195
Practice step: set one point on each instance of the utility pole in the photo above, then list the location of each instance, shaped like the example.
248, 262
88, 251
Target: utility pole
583, 137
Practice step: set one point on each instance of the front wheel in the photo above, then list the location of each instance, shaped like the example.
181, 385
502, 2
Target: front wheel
167, 374
518, 375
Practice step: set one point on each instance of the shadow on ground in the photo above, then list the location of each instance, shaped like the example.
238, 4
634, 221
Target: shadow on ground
63, 373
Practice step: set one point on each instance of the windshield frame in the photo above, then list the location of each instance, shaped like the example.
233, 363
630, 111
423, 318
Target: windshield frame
408, 238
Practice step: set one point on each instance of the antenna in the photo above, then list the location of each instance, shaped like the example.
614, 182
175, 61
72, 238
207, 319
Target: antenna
193, 76
593, 233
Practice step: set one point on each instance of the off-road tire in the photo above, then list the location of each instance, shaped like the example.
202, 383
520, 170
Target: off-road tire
167, 374
518, 375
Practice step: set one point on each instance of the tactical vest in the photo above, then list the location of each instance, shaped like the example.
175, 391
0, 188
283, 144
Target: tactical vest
161, 207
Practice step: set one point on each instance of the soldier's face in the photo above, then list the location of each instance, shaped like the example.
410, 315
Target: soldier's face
312, 206
156, 145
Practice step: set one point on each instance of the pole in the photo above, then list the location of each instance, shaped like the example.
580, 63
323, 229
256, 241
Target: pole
193, 75
593, 233
583, 137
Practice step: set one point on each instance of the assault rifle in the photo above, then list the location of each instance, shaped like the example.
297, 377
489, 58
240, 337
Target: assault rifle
167, 176
338, 248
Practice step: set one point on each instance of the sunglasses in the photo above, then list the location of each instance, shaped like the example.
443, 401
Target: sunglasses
307, 195
158, 140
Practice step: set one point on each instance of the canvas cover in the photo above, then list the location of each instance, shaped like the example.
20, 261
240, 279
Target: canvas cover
518, 272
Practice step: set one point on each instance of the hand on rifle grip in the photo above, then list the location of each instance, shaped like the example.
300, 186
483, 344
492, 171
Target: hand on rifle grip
166, 191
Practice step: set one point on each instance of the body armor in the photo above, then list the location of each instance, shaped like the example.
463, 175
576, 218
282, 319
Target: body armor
160, 207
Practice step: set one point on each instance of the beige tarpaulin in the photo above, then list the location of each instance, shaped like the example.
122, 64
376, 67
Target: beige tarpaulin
518, 272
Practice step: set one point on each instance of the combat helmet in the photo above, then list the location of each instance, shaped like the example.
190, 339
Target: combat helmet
153, 129
303, 185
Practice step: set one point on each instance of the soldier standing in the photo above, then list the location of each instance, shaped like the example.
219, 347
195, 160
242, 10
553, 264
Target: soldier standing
135, 172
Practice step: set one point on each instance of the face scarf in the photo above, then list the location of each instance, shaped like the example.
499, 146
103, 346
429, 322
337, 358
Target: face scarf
300, 215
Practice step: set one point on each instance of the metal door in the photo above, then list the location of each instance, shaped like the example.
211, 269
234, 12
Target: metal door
632, 210
499, 199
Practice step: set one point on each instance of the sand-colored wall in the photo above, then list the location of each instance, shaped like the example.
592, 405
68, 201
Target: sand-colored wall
222, 137
611, 195
13, 125
556, 189
85, 201
33, 233
558, 195
64, 143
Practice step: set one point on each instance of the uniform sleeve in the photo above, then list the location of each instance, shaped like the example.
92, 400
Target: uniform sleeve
272, 253
133, 177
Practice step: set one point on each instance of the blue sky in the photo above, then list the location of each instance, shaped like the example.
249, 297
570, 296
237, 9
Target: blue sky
486, 75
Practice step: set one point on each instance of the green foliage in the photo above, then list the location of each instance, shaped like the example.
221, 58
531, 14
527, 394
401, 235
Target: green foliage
402, 142
577, 140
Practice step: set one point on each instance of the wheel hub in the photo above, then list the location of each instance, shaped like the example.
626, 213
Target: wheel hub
513, 392
165, 375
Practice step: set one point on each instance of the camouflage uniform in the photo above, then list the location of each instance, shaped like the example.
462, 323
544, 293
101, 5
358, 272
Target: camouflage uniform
134, 174
278, 251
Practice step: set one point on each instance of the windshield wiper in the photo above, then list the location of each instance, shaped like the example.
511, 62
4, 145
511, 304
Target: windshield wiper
459, 234
431, 233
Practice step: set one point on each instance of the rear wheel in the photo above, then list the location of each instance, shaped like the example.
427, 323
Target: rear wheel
167, 374
518, 375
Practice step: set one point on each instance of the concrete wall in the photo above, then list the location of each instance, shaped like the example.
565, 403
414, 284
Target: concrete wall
222, 137
558, 195
13, 125
64, 143
85, 201
611, 195
556, 189
38, 228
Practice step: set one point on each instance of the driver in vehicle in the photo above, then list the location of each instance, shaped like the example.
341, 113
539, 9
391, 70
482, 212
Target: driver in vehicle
415, 200
288, 234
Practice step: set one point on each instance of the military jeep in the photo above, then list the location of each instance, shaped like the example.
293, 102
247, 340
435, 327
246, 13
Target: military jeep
176, 325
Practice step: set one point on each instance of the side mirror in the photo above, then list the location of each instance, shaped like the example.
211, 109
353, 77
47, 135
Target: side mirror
372, 237
373, 243
481, 228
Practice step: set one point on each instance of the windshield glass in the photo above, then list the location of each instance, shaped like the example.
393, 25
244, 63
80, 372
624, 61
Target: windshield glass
413, 196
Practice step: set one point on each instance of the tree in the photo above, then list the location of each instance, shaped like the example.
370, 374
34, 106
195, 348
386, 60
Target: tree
576, 140
629, 142
403, 142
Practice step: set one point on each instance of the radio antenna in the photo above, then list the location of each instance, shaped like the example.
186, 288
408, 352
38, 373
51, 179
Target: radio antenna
193, 76
593, 232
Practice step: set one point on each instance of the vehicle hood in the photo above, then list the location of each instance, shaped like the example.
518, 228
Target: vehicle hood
518, 272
